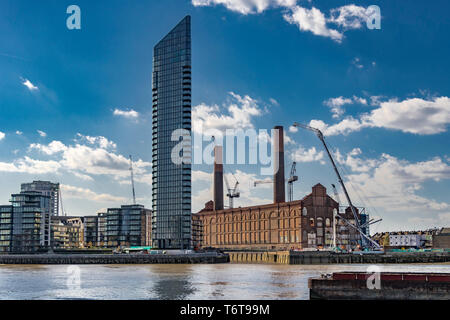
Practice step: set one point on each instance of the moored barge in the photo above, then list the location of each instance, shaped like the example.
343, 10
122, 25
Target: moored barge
381, 286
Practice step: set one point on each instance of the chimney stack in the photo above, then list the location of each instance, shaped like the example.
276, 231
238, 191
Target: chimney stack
278, 177
218, 178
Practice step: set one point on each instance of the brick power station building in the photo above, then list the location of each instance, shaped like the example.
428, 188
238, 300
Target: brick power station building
281, 225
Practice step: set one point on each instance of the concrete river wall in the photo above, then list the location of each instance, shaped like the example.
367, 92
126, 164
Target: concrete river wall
114, 258
323, 257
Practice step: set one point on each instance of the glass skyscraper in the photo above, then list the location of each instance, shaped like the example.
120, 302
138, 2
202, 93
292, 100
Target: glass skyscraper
25, 224
171, 96
46, 188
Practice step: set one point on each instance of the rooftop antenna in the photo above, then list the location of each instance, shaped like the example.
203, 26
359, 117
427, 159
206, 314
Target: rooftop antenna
132, 179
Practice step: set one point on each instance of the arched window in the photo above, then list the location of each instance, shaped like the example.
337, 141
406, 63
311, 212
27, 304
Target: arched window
305, 211
327, 222
319, 222
311, 222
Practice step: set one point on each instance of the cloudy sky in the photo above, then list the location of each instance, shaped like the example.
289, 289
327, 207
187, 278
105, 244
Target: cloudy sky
74, 104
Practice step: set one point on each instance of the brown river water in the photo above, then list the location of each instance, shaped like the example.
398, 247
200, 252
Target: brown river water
219, 281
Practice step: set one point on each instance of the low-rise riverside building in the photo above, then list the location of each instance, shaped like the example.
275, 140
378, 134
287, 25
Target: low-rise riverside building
90, 231
102, 238
413, 240
441, 240
423, 239
129, 225
25, 224
296, 225
67, 233
301, 224
95, 230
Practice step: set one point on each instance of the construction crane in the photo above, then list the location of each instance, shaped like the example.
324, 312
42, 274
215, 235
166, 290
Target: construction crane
132, 180
366, 224
255, 183
232, 192
292, 178
355, 215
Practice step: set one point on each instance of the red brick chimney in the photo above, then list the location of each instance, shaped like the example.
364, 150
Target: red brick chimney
278, 177
218, 178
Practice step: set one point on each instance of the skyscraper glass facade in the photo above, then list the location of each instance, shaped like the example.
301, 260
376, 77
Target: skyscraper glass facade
171, 96
46, 188
127, 226
25, 224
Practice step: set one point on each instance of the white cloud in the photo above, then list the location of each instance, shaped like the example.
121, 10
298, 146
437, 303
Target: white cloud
31, 166
41, 133
97, 161
394, 184
376, 100
100, 141
293, 129
360, 100
19, 133
349, 16
356, 164
198, 175
52, 148
346, 126
312, 20
83, 161
357, 63
246, 6
129, 114
415, 115
81, 176
274, 102
241, 111
307, 155
2, 135
336, 104
287, 139
27, 83
72, 192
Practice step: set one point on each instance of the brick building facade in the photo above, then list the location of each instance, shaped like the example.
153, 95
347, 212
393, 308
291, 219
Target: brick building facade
300, 224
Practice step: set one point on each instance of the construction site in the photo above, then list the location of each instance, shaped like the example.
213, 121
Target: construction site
317, 222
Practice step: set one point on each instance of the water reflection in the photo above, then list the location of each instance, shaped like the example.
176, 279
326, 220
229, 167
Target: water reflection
173, 283
225, 281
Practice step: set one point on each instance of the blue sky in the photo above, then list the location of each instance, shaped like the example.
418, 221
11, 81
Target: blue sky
380, 96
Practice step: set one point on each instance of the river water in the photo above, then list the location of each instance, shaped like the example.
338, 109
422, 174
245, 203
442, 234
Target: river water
219, 281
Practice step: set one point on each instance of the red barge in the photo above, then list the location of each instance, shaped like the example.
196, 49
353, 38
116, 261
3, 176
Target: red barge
382, 286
